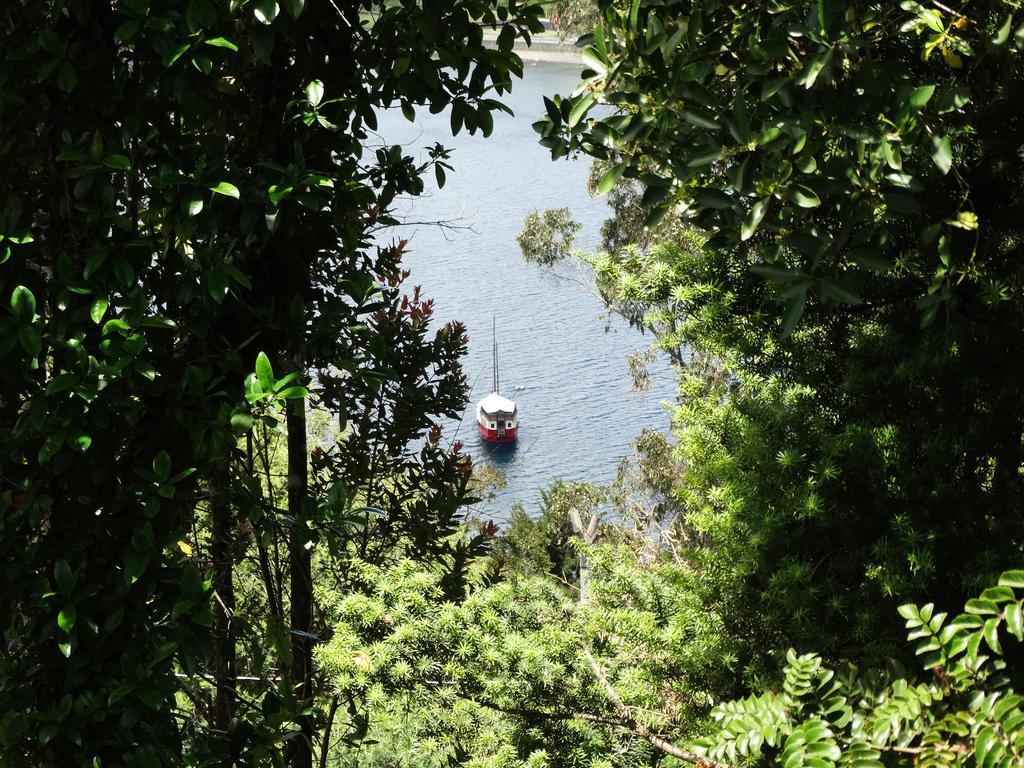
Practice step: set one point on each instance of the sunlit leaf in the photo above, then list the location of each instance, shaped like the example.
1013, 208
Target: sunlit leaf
224, 188
942, 153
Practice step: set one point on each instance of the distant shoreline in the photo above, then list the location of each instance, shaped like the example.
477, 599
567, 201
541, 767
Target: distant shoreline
545, 47
566, 55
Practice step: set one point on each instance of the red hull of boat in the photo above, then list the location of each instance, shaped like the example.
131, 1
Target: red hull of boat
491, 435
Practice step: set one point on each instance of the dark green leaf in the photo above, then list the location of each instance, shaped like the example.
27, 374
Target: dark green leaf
485, 121
583, 103
98, 310
174, 54
64, 577
805, 164
701, 118
60, 383
704, 156
552, 109
294, 7
942, 153
81, 442
709, 197
599, 44
1003, 34
656, 214
611, 177
51, 445
30, 340
315, 93
278, 193
135, 564
201, 14
127, 31
838, 291
194, 205
264, 372
266, 10
67, 77
794, 311
222, 42
753, 220
920, 96
804, 196
952, 99
902, 202
162, 466
202, 61
67, 617
777, 274
123, 271
23, 302
814, 68
226, 189
120, 692
241, 423
144, 369
870, 259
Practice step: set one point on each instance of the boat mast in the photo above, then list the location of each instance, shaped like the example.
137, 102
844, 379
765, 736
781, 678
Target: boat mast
494, 353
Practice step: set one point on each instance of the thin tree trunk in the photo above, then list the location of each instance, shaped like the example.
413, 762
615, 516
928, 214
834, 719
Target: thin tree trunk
224, 603
273, 599
588, 532
301, 579
325, 745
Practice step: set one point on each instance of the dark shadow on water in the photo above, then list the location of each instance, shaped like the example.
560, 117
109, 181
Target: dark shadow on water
501, 455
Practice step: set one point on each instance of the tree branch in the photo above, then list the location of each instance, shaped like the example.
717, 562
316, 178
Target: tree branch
626, 722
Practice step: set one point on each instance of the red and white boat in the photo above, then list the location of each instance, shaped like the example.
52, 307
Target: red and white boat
496, 417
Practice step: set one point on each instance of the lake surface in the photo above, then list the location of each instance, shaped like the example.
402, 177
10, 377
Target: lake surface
578, 415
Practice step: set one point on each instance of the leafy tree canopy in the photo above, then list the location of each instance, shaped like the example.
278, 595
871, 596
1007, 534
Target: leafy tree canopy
846, 309
190, 196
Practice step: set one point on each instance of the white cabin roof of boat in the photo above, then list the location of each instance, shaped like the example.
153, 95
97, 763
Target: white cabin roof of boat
495, 403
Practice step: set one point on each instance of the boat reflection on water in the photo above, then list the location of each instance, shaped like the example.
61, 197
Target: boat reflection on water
501, 455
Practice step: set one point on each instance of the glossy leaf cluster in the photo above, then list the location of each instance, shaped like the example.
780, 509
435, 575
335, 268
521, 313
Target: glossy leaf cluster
837, 293
190, 196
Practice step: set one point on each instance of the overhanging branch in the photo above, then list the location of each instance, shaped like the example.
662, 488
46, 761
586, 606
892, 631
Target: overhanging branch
626, 722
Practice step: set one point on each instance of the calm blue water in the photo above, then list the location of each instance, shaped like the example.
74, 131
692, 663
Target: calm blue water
577, 412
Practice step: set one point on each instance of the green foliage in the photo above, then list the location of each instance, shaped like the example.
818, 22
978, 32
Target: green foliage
528, 673
830, 213
572, 18
521, 674
966, 713
835, 151
186, 184
529, 546
547, 237
541, 545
